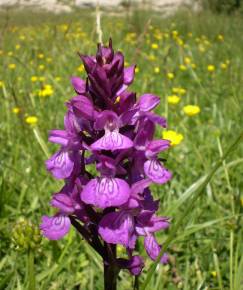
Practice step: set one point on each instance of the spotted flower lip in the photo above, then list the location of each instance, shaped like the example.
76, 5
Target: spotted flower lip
108, 159
56, 227
104, 192
156, 172
112, 140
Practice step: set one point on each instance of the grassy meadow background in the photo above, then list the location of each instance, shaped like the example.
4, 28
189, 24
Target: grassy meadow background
196, 57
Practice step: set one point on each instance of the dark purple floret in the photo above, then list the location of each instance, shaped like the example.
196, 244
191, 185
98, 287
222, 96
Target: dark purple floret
108, 158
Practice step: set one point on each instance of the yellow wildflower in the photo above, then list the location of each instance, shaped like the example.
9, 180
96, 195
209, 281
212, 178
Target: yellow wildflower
17, 46
22, 37
173, 100
182, 67
10, 53
174, 137
31, 120
182, 91
151, 57
1, 84
12, 66
193, 65
136, 70
211, 68
80, 68
220, 37
15, 110
170, 76
34, 79
157, 70
187, 60
223, 65
41, 67
40, 56
49, 59
154, 46
191, 110
214, 274
46, 91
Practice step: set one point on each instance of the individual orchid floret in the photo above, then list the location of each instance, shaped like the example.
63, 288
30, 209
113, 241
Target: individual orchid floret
112, 140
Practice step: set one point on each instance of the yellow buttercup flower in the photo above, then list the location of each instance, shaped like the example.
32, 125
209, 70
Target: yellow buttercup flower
46, 91
214, 274
15, 110
80, 68
31, 120
178, 90
34, 79
224, 66
157, 70
211, 68
40, 56
173, 100
170, 76
191, 110
187, 60
12, 66
174, 137
136, 69
17, 46
154, 46
41, 67
182, 67
220, 37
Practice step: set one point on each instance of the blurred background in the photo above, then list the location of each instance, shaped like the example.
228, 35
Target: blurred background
187, 52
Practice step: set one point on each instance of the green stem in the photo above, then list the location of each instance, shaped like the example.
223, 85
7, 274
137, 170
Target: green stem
31, 270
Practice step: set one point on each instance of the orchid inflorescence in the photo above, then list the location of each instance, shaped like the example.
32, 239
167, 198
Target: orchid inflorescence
106, 126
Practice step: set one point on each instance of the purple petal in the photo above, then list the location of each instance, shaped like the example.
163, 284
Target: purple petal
112, 141
83, 107
134, 265
105, 192
59, 137
107, 119
60, 164
79, 85
63, 202
121, 90
156, 119
156, 172
156, 146
118, 228
56, 227
153, 249
129, 73
89, 63
148, 102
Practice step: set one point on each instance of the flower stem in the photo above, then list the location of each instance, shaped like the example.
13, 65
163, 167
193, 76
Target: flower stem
110, 268
31, 270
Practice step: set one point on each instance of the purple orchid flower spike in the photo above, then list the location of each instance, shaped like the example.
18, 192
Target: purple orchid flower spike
108, 159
